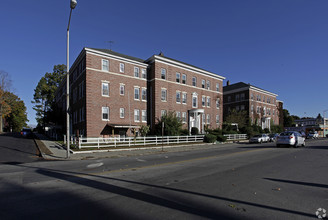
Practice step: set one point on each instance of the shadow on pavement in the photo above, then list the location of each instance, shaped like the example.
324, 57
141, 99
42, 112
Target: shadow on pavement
298, 182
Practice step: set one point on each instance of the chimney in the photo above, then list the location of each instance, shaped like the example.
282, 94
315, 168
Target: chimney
228, 83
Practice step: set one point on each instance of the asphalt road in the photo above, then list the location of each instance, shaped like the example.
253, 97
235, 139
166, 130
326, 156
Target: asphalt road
236, 181
14, 148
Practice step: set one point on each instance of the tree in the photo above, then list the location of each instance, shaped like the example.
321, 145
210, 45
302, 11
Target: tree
17, 118
144, 129
5, 84
44, 93
172, 124
239, 117
288, 119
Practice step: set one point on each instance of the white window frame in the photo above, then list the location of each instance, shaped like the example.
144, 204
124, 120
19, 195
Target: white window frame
217, 119
178, 115
122, 86
218, 103
208, 85
136, 115
194, 81
217, 87
163, 113
122, 67
208, 100
194, 97
102, 89
122, 113
208, 119
144, 94
143, 73
184, 98
144, 116
136, 72
184, 79
184, 117
163, 73
105, 110
178, 97
137, 94
164, 98
203, 101
105, 65
178, 77
203, 83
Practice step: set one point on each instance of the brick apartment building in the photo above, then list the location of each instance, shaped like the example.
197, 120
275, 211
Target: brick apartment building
261, 106
115, 94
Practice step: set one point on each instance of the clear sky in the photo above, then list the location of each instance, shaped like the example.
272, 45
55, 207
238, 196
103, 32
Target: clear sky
277, 45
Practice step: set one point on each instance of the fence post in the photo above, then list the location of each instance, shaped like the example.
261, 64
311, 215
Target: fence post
129, 141
80, 143
156, 140
178, 139
144, 140
114, 142
98, 143
167, 140
195, 138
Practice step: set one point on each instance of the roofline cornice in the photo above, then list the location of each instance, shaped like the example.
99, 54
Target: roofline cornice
182, 65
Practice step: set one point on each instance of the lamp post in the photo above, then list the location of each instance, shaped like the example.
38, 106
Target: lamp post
324, 122
72, 5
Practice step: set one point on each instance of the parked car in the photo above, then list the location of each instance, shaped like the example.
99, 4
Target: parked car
290, 138
260, 138
273, 137
27, 132
313, 134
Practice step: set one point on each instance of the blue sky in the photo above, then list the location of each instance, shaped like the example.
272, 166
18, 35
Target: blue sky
278, 45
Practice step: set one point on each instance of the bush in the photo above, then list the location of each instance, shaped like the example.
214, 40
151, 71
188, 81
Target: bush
209, 138
221, 138
184, 132
266, 130
194, 131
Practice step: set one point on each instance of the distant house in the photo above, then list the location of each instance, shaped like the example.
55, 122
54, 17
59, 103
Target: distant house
261, 106
112, 94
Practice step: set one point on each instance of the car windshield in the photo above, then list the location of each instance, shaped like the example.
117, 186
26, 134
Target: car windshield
286, 134
257, 136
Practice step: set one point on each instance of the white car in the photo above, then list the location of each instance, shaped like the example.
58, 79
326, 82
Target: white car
260, 138
290, 138
313, 134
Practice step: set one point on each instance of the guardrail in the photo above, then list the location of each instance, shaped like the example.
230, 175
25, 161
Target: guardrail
138, 141
236, 137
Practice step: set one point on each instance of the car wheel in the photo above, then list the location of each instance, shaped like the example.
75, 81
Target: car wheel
261, 141
303, 145
296, 145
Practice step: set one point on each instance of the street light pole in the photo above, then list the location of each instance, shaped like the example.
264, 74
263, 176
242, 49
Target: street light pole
72, 5
324, 122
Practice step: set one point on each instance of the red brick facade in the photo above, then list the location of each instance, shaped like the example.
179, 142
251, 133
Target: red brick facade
96, 99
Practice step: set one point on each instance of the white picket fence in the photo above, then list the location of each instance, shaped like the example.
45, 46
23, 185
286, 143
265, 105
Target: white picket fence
236, 137
138, 141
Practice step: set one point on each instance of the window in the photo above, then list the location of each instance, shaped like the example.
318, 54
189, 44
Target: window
203, 83
164, 95
264, 111
242, 107
136, 115
194, 81
237, 97
105, 89
144, 115
122, 67
122, 113
81, 89
194, 100
237, 108
203, 101
252, 109
252, 96
208, 102
82, 114
208, 119
184, 117
163, 113
217, 87
178, 97
184, 79
208, 85
177, 77
144, 94
184, 98
136, 93
242, 96
144, 73
74, 95
203, 118
122, 89
273, 111
105, 65
217, 119
229, 98
163, 73
217, 103
105, 113
179, 116
136, 71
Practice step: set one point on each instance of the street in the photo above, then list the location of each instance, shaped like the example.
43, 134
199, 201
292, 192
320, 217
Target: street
230, 181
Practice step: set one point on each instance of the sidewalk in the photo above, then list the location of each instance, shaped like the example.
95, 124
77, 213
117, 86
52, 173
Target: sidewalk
51, 150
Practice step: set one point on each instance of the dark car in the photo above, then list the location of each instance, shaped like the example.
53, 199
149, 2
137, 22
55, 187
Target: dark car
27, 133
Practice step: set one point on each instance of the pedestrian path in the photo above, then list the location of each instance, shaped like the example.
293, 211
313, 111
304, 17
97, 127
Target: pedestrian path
49, 149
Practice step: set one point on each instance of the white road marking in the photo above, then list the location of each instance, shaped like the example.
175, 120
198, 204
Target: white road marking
94, 165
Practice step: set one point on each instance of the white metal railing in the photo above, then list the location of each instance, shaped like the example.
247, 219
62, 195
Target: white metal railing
138, 141
235, 137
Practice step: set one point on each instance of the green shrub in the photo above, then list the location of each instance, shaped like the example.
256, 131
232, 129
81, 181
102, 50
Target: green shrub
221, 138
209, 138
266, 130
184, 132
194, 131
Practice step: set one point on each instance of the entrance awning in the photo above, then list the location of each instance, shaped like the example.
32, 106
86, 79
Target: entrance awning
123, 126
196, 111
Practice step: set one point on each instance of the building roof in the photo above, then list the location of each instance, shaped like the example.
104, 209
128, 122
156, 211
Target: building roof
242, 85
118, 54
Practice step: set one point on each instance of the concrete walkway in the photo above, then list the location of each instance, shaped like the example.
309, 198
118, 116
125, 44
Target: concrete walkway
50, 150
